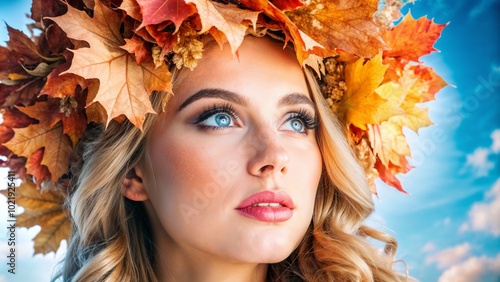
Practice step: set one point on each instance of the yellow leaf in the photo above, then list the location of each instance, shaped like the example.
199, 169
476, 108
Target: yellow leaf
394, 143
227, 18
360, 105
44, 209
341, 24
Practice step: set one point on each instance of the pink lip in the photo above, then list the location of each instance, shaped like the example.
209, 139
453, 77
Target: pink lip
249, 208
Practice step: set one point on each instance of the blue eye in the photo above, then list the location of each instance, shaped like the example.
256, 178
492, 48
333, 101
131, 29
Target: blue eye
216, 117
294, 124
300, 122
218, 120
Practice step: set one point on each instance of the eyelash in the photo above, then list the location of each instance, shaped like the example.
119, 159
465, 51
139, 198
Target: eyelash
309, 120
226, 108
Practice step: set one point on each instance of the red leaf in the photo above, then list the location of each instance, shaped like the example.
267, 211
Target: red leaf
158, 11
286, 5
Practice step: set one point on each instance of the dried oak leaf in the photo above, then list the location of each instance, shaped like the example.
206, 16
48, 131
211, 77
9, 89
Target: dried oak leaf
360, 104
158, 11
44, 209
42, 135
226, 18
124, 86
341, 24
411, 38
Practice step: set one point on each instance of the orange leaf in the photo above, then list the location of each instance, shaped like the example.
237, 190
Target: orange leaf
62, 85
158, 11
360, 105
138, 47
342, 24
411, 38
57, 146
34, 166
431, 82
226, 18
124, 86
388, 177
44, 209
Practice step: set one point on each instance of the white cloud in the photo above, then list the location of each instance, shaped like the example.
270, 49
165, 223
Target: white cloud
495, 136
473, 269
428, 247
483, 216
479, 163
450, 256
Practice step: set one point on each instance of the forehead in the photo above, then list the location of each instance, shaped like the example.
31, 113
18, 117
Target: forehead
260, 65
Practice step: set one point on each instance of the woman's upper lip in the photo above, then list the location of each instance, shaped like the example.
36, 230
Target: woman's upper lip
280, 197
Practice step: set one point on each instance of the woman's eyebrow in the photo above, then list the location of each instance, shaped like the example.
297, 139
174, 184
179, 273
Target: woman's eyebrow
294, 99
214, 93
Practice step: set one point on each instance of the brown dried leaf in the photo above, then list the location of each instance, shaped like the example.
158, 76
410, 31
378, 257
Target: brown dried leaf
44, 209
341, 24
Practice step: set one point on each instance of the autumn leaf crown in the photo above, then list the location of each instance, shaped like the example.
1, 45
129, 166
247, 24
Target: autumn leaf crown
55, 82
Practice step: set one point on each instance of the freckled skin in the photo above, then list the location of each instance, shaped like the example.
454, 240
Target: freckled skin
202, 175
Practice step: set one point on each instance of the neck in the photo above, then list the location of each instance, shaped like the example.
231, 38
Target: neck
183, 263
178, 264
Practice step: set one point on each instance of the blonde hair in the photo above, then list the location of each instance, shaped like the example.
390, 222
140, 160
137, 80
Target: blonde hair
111, 238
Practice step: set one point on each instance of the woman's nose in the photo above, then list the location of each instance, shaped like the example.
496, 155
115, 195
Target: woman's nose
268, 155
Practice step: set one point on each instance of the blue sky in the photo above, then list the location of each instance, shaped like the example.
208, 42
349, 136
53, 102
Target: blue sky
448, 227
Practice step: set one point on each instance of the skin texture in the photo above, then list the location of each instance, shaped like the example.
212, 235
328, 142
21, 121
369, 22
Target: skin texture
200, 173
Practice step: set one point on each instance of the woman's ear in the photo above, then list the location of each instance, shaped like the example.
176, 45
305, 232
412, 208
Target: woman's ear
133, 186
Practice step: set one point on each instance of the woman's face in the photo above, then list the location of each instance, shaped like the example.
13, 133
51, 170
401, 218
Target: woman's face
235, 160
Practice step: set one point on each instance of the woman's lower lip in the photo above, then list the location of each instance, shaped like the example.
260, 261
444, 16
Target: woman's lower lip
267, 214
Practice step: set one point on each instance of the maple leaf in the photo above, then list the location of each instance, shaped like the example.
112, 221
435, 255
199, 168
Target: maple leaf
360, 105
42, 135
60, 85
285, 5
388, 177
14, 118
429, 82
138, 47
124, 86
70, 110
158, 11
411, 38
44, 209
341, 24
24, 45
226, 18
34, 166
132, 8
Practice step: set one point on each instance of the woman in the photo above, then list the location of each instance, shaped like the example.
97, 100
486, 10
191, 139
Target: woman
245, 173
223, 185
